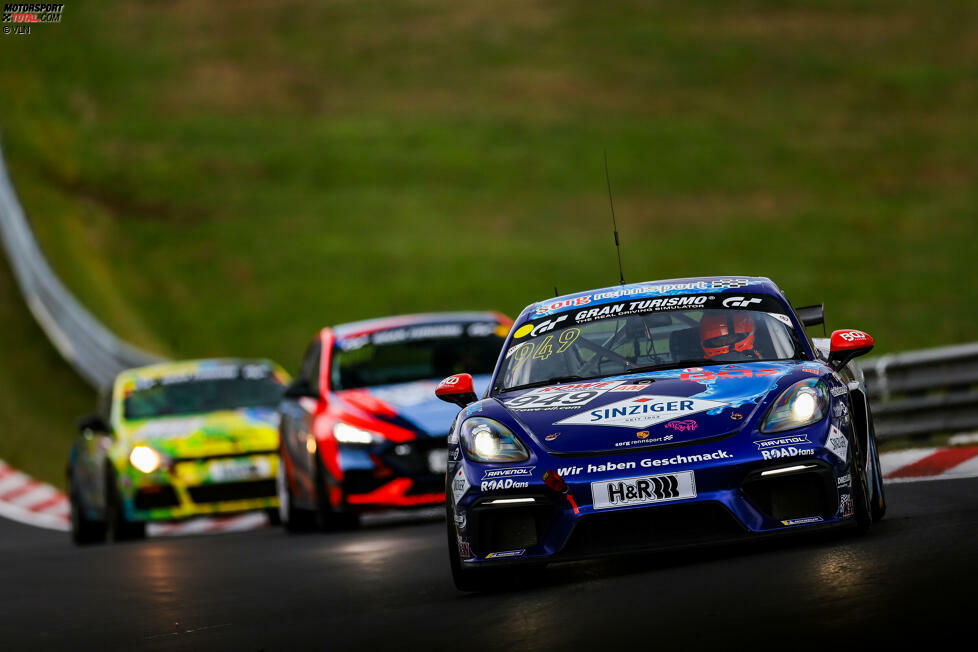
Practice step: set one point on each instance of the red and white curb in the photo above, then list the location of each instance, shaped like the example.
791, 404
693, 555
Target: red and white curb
914, 464
29, 501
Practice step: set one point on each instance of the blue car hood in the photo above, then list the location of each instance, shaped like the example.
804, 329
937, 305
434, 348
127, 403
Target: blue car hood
619, 413
417, 406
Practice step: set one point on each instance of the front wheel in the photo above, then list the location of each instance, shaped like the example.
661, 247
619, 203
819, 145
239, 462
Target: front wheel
83, 529
878, 496
328, 518
861, 492
293, 518
118, 528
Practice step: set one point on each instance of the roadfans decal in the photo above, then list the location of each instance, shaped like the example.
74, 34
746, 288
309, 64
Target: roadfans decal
642, 411
837, 443
648, 489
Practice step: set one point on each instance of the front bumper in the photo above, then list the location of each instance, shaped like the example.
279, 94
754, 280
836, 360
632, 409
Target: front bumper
193, 487
733, 497
394, 475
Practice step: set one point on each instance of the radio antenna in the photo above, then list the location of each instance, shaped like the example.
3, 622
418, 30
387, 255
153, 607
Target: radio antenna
614, 224
556, 294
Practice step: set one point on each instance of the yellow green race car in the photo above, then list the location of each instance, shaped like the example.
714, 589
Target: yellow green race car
176, 440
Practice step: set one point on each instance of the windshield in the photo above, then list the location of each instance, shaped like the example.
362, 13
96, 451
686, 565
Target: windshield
417, 352
227, 387
583, 345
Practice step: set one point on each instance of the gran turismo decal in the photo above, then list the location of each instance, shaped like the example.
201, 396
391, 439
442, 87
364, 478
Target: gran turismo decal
642, 411
739, 302
606, 494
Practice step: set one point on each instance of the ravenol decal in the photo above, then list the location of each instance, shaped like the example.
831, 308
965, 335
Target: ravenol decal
642, 411
512, 472
777, 442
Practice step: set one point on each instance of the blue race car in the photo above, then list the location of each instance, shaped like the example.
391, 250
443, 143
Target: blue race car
654, 415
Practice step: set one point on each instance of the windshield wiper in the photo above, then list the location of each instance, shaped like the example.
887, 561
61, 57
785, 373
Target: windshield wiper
549, 381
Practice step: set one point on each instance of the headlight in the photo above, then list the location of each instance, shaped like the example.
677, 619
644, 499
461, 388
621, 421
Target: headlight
347, 434
487, 440
145, 459
802, 404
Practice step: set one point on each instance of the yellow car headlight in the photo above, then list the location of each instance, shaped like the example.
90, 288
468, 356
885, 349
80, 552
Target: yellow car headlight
145, 459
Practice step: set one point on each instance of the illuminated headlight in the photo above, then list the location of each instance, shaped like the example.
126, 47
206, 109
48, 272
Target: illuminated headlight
145, 459
347, 434
487, 440
802, 404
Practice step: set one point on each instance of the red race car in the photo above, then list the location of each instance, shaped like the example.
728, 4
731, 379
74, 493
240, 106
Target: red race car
360, 426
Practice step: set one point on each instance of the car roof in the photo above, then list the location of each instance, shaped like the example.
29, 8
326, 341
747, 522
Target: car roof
666, 287
179, 367
368, 326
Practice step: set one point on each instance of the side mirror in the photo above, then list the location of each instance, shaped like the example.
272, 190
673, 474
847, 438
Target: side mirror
846, 345
457, 389
93, 422
299, 388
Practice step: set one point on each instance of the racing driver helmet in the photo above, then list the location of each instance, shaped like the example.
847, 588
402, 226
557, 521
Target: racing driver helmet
724, 332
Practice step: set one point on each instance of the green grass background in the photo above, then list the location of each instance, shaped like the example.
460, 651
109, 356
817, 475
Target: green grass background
224, 180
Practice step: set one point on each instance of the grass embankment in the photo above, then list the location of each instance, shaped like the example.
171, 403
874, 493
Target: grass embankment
227, 180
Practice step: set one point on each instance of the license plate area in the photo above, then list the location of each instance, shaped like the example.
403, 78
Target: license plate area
239, 468
642, 490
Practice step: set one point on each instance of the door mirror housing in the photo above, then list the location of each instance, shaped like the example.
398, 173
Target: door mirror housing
457, 389
300, 388
93, 423
847, 344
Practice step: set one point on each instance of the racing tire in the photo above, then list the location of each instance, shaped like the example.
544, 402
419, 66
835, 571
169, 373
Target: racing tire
118, 528
294, 519
878, 495
274, 517
329, 519
469, 580
861, 492
475, 580
84, 531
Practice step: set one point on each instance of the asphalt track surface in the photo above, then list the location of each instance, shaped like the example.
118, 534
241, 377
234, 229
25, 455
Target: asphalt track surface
914, 578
